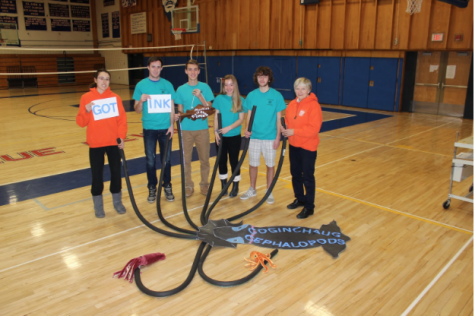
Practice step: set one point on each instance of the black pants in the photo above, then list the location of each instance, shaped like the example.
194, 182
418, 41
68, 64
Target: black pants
302, 169
96, 158
232, 146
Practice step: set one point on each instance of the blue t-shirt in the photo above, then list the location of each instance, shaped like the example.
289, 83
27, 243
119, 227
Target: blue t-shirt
267, 105
146, 86
223, 104
185, 97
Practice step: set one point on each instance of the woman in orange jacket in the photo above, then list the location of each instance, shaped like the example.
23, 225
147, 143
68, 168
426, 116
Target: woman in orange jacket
303, 118
102, 112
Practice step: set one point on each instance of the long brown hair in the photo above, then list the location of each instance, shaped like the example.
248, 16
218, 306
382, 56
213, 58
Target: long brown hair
94, 85
236, 97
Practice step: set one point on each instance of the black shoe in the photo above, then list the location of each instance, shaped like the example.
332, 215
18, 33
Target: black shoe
167, 188
296, 203
235, 190
152, 195
305, 213
223, 184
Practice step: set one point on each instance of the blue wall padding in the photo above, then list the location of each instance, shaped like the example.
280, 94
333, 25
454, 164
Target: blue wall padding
382, 94
356, 81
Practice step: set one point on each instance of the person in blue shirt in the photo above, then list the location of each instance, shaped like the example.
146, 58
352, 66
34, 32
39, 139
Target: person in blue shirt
156, 126
265, 135
229, 104
188, 96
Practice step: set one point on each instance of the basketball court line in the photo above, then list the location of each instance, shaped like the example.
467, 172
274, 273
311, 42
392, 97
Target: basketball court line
437, 277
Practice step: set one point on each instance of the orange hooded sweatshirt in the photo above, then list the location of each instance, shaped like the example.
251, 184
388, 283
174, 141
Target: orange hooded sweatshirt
305, 118
104, 132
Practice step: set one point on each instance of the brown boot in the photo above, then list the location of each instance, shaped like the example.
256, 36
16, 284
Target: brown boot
204, 190
189, 191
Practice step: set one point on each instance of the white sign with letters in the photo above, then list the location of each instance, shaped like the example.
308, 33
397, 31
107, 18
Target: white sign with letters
160, 103
138, 23
105, 108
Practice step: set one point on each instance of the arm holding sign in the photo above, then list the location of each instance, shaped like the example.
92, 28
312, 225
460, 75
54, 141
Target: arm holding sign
84, 116
171, 129
138, 106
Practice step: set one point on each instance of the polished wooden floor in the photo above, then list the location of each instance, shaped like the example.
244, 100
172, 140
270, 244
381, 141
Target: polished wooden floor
384, 183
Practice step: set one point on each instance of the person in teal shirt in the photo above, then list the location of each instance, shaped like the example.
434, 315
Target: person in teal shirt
195, 132
229, 104
265, 135
156, 126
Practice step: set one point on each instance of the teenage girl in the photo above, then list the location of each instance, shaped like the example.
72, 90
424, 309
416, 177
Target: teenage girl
102, 137
229, 104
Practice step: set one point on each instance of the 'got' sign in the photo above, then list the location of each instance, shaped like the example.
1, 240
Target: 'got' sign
105, 108
160, 103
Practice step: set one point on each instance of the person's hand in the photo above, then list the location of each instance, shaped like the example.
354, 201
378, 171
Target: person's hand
177, 117
276, 144
196, 93
89, 107
170, 131
247, 134
287, 132
225, 130
122, 144
145, 97
216, 135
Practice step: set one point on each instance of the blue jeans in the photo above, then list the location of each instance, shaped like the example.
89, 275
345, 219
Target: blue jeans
302, 168
150, 138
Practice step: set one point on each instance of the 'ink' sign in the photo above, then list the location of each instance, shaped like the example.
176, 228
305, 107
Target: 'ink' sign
105, 108
160, 103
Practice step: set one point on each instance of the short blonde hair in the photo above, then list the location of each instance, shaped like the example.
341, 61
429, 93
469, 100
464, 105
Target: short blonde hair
303, 81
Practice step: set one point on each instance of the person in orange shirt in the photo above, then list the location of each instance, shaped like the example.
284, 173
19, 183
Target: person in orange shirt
303, 118
106, 121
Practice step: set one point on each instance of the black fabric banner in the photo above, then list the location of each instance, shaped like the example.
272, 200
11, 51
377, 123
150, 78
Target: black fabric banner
116, 24
105, 24
35, 24
80, 1
81, 25
60, 25
59, 10
34, 8
8, 19
80, 11
108, 3
8, 6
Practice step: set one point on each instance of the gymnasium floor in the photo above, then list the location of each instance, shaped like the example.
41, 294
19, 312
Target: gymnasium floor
381, 176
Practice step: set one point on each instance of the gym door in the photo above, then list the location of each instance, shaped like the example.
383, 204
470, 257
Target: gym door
441, 83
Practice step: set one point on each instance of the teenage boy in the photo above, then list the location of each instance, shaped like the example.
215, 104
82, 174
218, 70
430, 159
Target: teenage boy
265, 137
188, 96
156, 126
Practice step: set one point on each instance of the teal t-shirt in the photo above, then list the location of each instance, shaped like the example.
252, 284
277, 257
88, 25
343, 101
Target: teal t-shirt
146, 86
223, 104
267, 105
185, 97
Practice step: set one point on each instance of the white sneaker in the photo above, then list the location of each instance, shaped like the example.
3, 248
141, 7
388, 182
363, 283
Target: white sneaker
249, 193
270, 198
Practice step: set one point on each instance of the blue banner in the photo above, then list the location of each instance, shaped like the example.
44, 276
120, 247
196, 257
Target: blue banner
116, 24
81, 25
59, 10
105, 24
80, 11
60, 25
8, 6
33, 8
35, 24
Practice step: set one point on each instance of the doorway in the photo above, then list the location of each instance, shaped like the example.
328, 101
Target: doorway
441, 83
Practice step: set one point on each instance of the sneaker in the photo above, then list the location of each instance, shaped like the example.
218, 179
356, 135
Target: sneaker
167, 188
152, 195
249, 193
270, 198
189, 191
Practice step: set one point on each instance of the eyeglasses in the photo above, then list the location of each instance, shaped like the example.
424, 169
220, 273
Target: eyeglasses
102, 78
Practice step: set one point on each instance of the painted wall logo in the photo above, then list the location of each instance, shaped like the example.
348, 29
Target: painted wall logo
31, 154
168, 6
